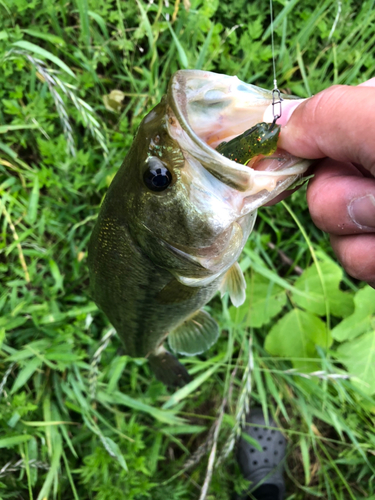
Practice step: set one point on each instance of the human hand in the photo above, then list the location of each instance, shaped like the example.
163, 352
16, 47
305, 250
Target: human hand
338, 124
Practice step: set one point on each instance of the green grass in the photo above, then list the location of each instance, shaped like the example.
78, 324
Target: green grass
81, 420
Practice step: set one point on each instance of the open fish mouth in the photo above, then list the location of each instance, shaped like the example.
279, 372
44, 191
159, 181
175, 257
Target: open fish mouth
206, 109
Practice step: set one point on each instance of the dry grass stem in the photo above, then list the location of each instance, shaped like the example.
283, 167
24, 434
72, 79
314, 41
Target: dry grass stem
48, 76
201, 451
5, 378
242, 408
285, 259
19, 248
319, 374
10, 467
94, 366
211, 458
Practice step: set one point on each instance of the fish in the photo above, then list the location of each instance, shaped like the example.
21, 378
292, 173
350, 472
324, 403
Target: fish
178, 213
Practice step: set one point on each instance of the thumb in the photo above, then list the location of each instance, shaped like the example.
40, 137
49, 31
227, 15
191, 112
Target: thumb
338, 122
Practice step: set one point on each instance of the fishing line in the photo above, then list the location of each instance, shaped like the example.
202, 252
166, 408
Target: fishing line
276, 96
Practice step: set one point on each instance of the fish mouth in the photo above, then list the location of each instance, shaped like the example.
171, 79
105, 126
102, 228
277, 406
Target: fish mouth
206, 109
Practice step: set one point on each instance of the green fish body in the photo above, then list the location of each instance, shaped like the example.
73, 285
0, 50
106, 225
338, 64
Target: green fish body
176, 217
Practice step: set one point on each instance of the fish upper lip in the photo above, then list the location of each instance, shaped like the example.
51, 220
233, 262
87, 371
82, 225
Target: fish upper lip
238, 106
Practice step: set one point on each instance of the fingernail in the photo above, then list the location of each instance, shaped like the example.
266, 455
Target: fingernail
362, 211
369, 83
287, 110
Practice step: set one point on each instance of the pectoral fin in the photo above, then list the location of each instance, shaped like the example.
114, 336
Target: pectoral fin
234, 283
195, 335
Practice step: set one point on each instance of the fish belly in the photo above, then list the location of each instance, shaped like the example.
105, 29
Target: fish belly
144, 302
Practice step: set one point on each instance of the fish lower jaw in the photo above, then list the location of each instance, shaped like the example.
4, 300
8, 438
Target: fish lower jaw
268, 180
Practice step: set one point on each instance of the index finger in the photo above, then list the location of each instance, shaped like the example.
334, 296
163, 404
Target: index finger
339, 122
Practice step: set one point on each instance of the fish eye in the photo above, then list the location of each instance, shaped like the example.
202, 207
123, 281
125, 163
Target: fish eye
157, 177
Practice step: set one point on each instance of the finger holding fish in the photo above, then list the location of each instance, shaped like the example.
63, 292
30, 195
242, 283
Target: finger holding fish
338, 123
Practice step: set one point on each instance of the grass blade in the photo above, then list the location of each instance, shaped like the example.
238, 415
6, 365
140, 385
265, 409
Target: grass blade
27, 372
14, 441
204, 49
85, 23
35, 49
189, 388
181, 53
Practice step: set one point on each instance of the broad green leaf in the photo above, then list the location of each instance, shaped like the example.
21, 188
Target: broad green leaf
358, 356
296, 336
26, 373
360, 321
257, 265
14, 441
340, 303
35, 49
264, 300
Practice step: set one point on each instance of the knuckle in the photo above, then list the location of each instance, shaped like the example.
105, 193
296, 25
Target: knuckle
355, 253
316, 200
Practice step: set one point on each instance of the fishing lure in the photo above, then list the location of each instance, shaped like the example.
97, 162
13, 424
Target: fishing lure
261, 139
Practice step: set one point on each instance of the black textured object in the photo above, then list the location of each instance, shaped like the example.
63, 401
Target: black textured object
157, 177
262, 467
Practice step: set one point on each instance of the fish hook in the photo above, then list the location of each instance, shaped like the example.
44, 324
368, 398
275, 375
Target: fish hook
276, 101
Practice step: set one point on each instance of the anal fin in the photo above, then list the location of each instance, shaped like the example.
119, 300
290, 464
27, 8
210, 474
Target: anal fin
195, 335
234, 283
168, 369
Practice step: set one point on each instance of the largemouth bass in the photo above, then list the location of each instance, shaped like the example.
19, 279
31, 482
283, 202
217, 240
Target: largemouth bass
178, 214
